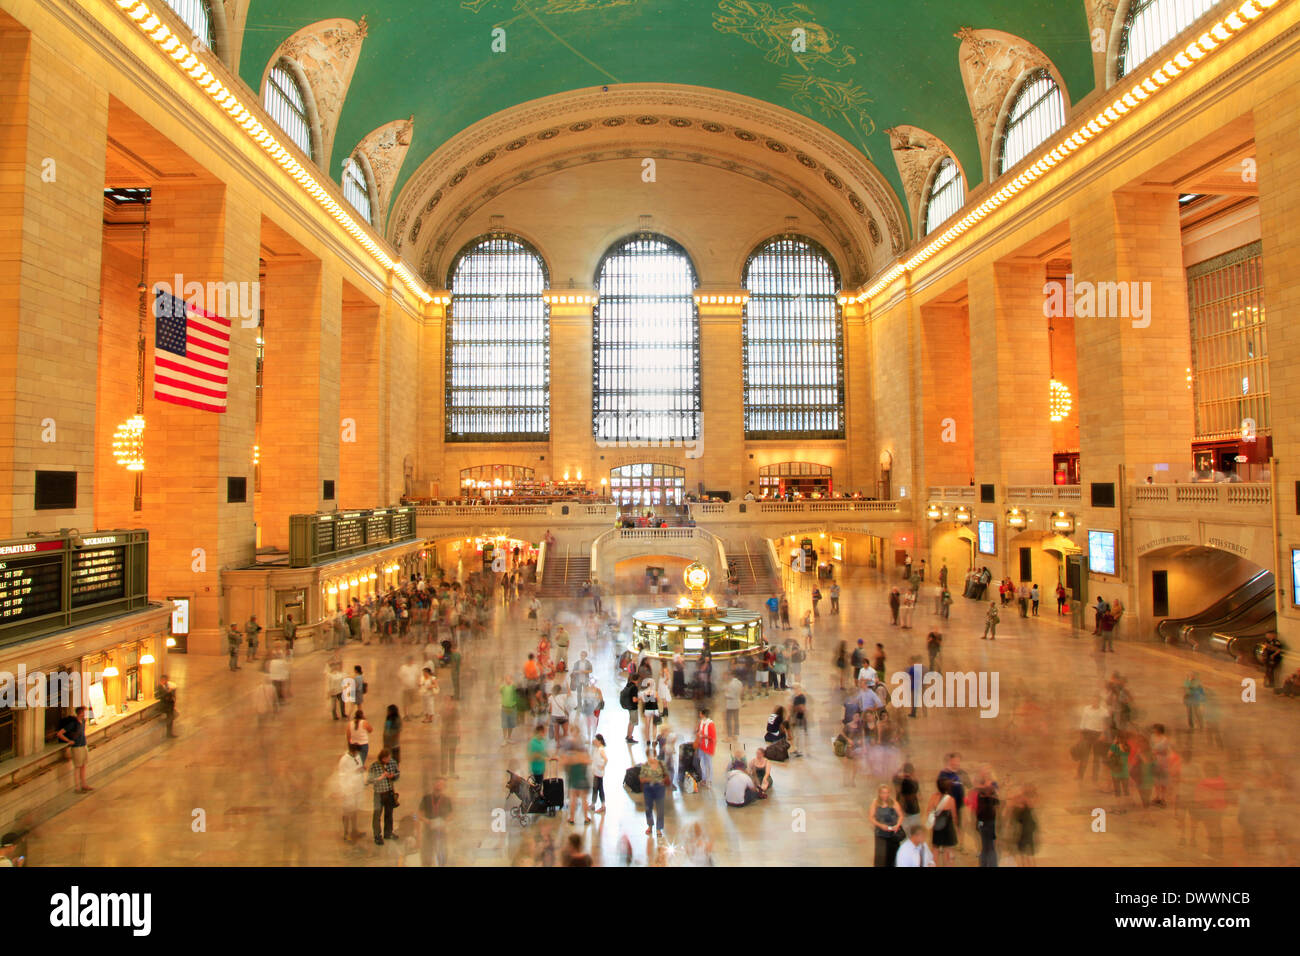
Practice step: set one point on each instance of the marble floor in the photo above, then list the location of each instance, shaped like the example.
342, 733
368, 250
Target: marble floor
258, 785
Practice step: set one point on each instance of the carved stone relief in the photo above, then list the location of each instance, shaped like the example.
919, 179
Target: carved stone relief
991, 62
327, 53
915, 153
385, 148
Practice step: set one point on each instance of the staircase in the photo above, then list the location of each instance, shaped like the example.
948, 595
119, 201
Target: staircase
564, 574
753, 569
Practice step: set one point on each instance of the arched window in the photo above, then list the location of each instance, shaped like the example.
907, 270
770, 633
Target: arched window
285, 102
1037, 112
947, 194
793, 342
197, 17
498, 344
646, 349
1150, 24
356, 187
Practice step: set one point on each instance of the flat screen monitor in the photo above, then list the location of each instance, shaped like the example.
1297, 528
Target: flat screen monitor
987, 540
1101, 551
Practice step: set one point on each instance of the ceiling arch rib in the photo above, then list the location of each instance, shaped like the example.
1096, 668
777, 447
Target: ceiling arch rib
385, 150
741, 135
915, 153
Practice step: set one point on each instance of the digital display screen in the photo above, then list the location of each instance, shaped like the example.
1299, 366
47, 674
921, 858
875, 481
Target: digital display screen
30, 587
1101, 551
987, 540
180, 616
98, 576
1295, 576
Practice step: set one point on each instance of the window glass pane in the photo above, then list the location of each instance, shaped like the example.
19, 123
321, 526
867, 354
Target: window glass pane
648, 484
646, 375
197, 17
1037, 113
1151, 24
356, 190
792, 343
947, 194
284, 101
498, 344
1230, 380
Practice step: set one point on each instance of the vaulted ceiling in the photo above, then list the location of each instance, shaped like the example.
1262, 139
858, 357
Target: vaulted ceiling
859, 67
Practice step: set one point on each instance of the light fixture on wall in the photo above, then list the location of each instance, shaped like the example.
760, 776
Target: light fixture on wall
111, 670
171, 641
1063, 522
962, 515
934, 512
1016, 518
147, 658
1059, 401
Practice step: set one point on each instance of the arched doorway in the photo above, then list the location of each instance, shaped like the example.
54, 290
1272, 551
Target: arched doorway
647, 483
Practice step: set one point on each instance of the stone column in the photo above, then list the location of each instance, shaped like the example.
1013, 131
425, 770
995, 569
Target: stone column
719, 456
302, 429
859, 412
946, 448
204, 233
363, 341
573, 447
52, 196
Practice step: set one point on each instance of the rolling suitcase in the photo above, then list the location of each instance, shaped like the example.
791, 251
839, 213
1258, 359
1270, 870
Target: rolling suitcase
553, 790
632, 779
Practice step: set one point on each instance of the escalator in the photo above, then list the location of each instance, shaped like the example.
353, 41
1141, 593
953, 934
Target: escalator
1243, 644
1236, 611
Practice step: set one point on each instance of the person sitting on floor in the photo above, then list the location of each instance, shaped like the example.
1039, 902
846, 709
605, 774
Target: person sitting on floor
740, 790
760, 771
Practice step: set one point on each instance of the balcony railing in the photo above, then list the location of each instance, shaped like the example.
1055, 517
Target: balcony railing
1245, 494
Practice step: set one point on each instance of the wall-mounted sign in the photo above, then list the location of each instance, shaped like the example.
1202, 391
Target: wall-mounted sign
180, 622
987, 538
1101, 551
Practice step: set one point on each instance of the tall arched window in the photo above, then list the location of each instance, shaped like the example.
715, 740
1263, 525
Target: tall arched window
1150, 24
498, 344
1037, 112
793, 342
646, 349
356, 187
197, 17
947, 194
285, 102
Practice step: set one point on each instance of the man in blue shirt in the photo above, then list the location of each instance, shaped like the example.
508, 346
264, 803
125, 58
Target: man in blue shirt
774, 611
73, 733
952, 773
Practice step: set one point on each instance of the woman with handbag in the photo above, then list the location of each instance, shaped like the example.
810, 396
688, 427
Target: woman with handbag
886, 819
942, 821
648, 697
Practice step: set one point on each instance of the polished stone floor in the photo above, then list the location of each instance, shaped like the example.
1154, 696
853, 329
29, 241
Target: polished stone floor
261, 782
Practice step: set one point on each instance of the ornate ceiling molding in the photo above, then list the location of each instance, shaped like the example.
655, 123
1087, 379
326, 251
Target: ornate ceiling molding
327, 53
791, 151
385, 149
916, 152
991, 63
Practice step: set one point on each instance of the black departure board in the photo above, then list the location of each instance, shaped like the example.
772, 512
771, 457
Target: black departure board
325, 536
98, 575
376, 529
349, 533
403, 525
30, 586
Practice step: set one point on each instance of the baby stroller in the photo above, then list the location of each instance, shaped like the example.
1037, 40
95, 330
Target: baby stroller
529, 795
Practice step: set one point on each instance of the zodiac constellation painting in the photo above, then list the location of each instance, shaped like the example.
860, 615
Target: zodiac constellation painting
762, 26
548, 7
838, 99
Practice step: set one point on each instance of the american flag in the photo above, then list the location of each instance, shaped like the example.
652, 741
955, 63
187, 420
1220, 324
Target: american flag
191, 354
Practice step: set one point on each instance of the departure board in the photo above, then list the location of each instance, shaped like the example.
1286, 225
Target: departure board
376, 529
98, 575
30, 586
324, 536
349, 532
403, 525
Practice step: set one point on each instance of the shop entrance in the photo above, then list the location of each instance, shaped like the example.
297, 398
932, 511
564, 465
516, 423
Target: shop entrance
795, 479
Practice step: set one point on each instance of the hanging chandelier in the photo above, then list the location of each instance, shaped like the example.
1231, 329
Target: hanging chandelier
128, 444
1059, 401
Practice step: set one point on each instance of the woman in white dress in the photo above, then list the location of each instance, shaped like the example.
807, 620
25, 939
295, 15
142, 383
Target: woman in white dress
428, 692
365, 625
349, 786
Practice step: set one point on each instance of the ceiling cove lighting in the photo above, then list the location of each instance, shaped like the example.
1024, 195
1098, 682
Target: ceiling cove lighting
1211, 41
169, 43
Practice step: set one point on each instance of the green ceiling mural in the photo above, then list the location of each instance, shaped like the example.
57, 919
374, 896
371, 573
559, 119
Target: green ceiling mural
858, 66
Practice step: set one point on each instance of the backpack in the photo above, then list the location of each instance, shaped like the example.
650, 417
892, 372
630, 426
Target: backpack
841, 746
627, 696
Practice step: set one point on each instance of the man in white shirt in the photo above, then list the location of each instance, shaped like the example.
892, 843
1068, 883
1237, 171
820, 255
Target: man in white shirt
1093, 724
915, 852
408, 678
740, 790
732, 694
